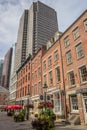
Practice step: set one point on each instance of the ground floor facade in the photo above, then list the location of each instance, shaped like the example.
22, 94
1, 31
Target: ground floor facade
71, 105
77, 105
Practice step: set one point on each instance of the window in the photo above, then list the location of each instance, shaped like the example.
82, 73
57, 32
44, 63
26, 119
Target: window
36, 89
79, 51
56, 55
69, 57
50, 78
39, 72
76, 33
66, 41
85, 24
32, 76
57, 74
49, 60
26, 68
39, 59
28, 76
39, 87
44, 79
71, 78
44, 65
35, 75
57, 102
29, 66
25, 90
83, 73
74, 103
32, 65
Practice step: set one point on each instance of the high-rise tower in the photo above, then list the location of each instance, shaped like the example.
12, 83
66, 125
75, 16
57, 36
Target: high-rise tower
37, 26
7, 69
42, 24
1, 69
20, 47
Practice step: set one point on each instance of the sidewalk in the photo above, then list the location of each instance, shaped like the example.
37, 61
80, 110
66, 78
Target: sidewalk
7, 123
76, 127
65, 125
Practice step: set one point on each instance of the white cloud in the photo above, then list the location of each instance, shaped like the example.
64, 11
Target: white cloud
11, 11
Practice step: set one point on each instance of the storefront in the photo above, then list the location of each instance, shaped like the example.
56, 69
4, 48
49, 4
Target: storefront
83, 94
57, 98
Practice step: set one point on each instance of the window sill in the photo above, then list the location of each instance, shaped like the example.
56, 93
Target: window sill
80, 57
69, 63
70, 87
58, 82
74, 112
76, 38
67, 45
83, 83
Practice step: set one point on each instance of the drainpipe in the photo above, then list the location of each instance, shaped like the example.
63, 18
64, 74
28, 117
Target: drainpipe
65, 109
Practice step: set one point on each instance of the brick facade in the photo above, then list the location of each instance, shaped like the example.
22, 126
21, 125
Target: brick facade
63, 68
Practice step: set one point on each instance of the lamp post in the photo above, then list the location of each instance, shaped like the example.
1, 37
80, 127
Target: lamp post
27, 112
45, 90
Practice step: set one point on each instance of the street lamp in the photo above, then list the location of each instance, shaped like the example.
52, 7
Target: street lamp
27, 113
45, 90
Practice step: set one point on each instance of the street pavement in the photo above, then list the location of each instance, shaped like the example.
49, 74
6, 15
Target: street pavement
7, 123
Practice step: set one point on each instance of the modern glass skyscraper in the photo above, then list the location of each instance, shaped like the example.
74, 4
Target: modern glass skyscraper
37, 26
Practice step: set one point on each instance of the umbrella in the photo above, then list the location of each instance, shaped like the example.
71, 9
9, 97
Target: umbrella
10, 107
14, 107
17, 107
6, 107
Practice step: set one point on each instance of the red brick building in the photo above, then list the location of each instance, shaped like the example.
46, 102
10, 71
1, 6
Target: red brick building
74, 55
36, 78
23, 82
63, 69
52, 76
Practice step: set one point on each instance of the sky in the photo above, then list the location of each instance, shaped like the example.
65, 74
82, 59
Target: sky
11, 10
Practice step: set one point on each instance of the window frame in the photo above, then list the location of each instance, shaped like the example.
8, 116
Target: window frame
50, 78
81, 74
39, 71
57, 102
79, 52
58, 78
49, 60
44, 65
44, 78
56, 57
73, 109
68, 57
66, 41
71, 78
76, 33
85, 24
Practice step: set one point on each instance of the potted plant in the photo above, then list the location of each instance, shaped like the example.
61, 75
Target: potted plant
45, 120
19, 116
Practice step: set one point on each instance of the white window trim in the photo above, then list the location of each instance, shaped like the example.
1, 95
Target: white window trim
73, 111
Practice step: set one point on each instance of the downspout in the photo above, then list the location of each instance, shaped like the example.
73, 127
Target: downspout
65, 109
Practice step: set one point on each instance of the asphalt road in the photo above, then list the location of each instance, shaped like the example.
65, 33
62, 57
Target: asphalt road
7, 123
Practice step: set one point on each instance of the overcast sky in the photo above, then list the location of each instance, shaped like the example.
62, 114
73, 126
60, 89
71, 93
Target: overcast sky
11, 10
